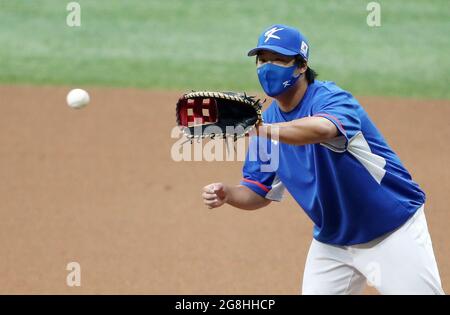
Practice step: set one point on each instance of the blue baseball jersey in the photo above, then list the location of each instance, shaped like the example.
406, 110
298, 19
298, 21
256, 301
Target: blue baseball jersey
353, 187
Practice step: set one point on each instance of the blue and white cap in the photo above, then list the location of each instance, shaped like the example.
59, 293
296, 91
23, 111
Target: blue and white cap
284, 40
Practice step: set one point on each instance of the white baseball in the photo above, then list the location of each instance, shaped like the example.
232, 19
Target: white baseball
77, 98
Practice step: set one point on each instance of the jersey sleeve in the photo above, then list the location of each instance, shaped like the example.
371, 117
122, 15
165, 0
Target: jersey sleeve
342, 110
259, 171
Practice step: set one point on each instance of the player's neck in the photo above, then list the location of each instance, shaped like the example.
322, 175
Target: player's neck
292, 97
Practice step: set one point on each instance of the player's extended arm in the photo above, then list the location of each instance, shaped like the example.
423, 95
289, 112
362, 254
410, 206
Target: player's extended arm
217, 194
301, 131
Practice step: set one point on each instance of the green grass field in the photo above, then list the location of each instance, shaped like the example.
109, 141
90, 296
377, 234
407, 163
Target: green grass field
202, 44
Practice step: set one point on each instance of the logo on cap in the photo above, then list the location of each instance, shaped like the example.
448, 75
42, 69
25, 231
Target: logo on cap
270, 33
304, 48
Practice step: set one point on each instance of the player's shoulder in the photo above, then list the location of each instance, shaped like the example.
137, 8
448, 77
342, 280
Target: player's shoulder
270, 112
328, 92
327, 88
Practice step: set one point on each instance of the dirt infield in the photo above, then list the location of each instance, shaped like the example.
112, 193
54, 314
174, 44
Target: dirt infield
98, 186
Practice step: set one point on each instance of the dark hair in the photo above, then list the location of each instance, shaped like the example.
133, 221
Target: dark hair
310, 74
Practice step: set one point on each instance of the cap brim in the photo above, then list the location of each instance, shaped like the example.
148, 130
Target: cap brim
274, 49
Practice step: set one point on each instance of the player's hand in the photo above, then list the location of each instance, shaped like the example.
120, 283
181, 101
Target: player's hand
215, 195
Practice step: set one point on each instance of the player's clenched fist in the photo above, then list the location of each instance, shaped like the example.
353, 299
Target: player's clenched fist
214, 195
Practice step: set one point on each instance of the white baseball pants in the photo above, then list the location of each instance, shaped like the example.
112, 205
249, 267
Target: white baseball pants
400, 262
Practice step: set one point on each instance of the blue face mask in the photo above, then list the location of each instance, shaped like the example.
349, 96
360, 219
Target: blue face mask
275, 79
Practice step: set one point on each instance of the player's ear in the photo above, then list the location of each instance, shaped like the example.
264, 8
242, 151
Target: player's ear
300, 70
302, 66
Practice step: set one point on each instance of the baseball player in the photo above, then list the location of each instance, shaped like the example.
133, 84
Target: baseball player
368, 213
